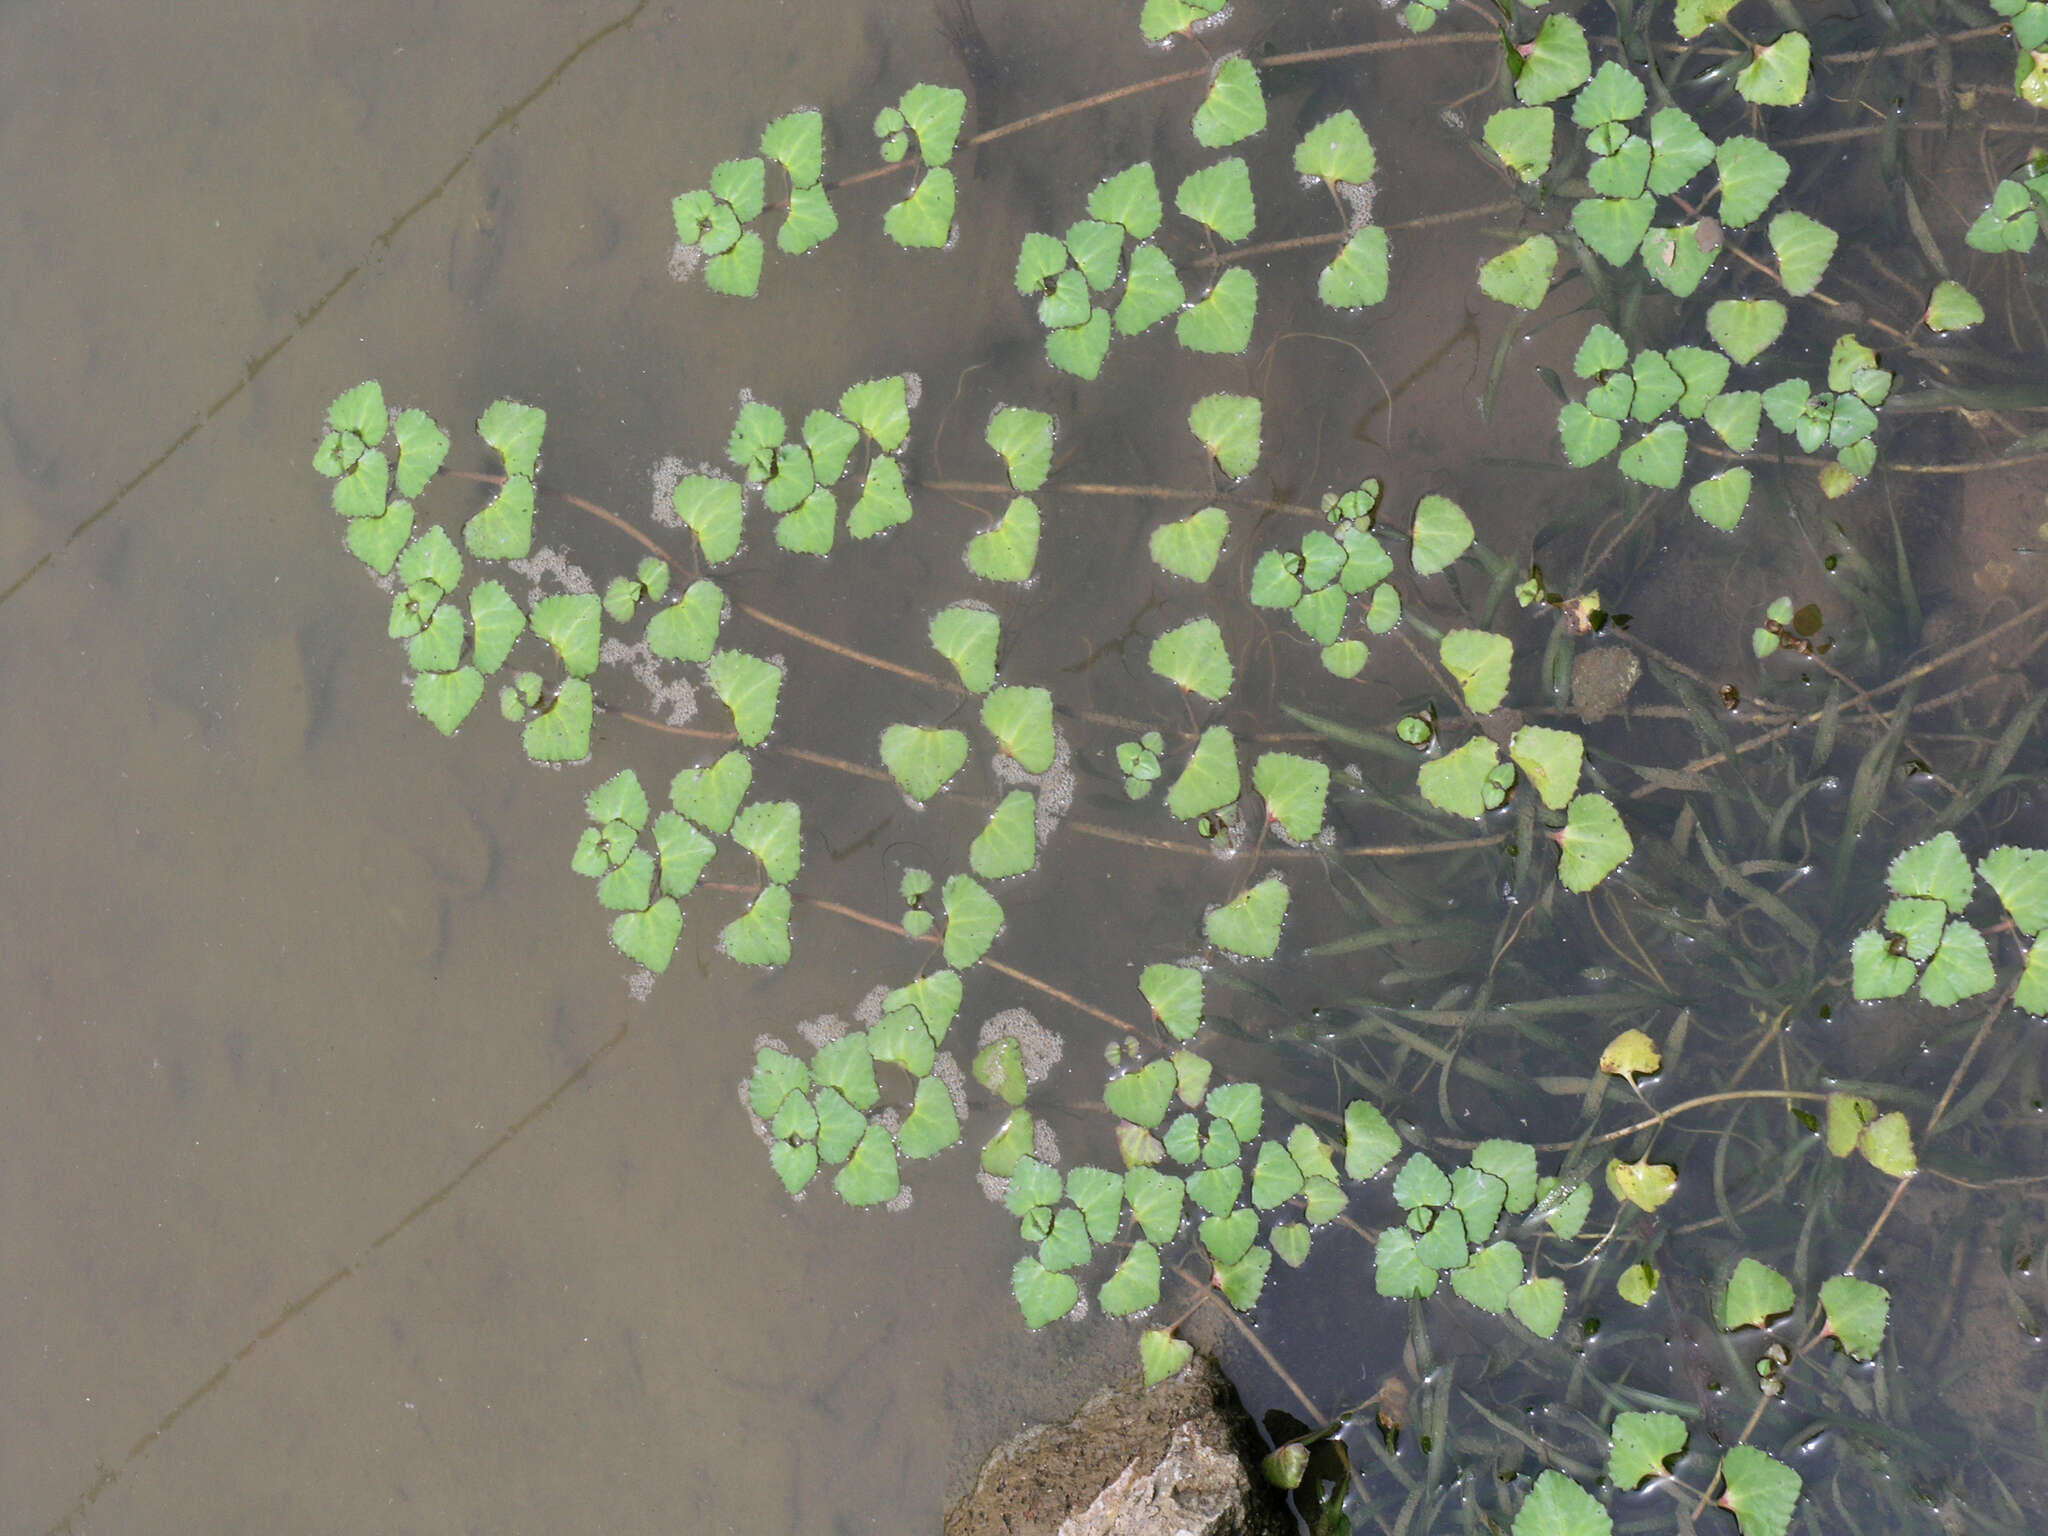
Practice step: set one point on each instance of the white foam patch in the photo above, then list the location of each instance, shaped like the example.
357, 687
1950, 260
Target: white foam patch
868, 1012
1044, 1145
902, 1200
913, 390
667, 475
1358, 197
948, 1072
1040, 1047
640, 985
823, 1030
994, 1190
546, 565
671, 700
684, 260
1055, 786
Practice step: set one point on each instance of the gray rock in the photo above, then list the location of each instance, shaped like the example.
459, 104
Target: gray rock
1178, 1460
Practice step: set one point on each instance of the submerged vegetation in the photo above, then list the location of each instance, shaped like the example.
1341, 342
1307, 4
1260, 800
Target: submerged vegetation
1605, 1089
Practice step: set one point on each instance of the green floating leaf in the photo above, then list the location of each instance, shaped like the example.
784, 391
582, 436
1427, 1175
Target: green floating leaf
1080, 349
1657, 457
1397, 1269
743, 183
1219, 197
1804, 247
1358, 277
1135, 1285
1294, 789
840, 1126
561, 734
1152, 291
1761, 1491
935, 113
1008, 551
1678, 151
1960, 968
1456, 782
1614, 227
1442, 533
687, 630
1613, 95
1557, 1506
1887, 1143
880, 408
1336, 149
1161, 1355
973, 919
1129, 198
1161, 19
1555, 63
1066, 1245
1952, 308
1756, 1293
761, 935
1020, 719
1874, 971
1008, 845
932, 1124
920, 760
1776, 75
1694, 16
422, 449
1193, 659
749, 687
1643, 1442
1593, 844
2019, 876
1228, 426
649, 936
870, 1176
1491, 1278
1522, 138
711, 508
1521, 275
515, 431
711, 796
1586, 438
1538, 1305
360, 493
1175, 993
1936, 869
361, 411
1276, 1177
1043, 1295
1370, 1143
1190, 547
1234, 109
446, 698
1249, 924
1721, 500
2011, 223
796, 142
1479, 661
967, 635
1552, 759
1210, 781
1024, 440
1222, 321
1751, 175
923, 220
1291, 1242
377, 541
573, 624
883, 501
1857, 1313
1242, 1105
1743, 328
1735, 418
1142, 1097
1242, 1281
772, 832
1679, 259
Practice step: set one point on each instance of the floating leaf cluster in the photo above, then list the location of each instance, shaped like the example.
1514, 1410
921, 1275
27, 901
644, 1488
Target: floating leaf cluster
1922, 936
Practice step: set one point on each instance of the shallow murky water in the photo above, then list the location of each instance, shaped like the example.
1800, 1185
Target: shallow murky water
345, 1183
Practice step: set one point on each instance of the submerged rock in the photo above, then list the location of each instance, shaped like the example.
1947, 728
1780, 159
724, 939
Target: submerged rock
1180, 1458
